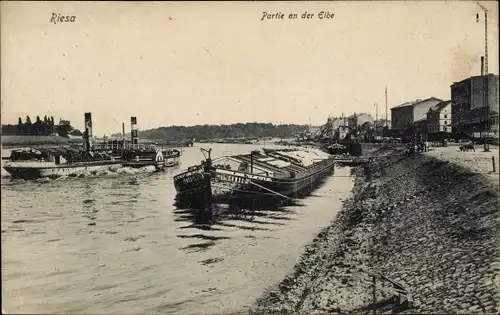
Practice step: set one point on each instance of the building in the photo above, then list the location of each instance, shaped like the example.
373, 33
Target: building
468, 104
63, 122
420, 126
331, 128
403, 116
381, 125
342, 132
389, 123
357, 120
439, 120
310, 133
336, 122
313, 130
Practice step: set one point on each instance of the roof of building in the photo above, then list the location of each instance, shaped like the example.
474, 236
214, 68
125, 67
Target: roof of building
439, 107
416, 102
474, 77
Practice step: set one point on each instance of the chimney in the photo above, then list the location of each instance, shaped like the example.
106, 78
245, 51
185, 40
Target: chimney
482, 65
87, 136
133, 130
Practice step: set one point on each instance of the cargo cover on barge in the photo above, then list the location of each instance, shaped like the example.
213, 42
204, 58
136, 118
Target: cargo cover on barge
267, 175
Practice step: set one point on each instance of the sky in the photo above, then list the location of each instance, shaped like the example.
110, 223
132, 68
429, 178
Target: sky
218, 63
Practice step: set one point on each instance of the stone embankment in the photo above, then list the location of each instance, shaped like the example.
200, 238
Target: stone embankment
428, 224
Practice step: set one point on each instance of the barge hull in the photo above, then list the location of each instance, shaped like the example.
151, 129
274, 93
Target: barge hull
220, 188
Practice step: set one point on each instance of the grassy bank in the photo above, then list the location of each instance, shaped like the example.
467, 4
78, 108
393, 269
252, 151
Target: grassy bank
430, 225
16, 141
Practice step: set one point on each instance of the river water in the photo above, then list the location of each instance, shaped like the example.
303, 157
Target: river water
116, 244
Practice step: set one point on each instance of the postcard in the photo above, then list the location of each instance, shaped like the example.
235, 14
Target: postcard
312, 157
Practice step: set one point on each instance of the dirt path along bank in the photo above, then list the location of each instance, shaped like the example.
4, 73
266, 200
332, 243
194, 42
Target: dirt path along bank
428, 224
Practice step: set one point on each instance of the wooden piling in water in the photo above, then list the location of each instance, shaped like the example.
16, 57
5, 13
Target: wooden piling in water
494, 164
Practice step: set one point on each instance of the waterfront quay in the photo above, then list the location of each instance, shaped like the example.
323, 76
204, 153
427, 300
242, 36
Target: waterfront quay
429, 224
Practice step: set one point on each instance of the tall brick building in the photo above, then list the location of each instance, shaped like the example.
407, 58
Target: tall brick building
468, 107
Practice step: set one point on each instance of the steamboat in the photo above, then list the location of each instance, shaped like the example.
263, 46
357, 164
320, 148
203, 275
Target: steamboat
270, 175
138, 154
52, 162
30, 163
94, 157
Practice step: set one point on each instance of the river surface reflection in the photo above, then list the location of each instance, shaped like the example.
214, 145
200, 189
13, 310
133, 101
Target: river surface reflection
117, 244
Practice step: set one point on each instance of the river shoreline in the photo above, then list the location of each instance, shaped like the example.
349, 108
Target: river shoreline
430, 225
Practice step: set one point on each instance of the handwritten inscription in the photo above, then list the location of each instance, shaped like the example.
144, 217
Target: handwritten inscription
59, 18
323, 15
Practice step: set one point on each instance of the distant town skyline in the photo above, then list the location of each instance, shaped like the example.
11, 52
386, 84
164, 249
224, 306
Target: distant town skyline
194, 63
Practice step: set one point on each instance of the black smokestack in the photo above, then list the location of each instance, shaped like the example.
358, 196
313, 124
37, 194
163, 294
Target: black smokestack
133, 131
88, 131
482, 65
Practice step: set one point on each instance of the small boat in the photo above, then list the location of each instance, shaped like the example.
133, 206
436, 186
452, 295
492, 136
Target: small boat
171, 157
143, 156
337, 149
344, 147
267, 175
29, 163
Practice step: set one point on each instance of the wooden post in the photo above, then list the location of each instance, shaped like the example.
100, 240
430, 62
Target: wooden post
386, 116
494, 165
123, 140
374, 297
251, 162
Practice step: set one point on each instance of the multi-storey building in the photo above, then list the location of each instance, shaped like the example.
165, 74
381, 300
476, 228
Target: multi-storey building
439, 120
405, 115
469, 107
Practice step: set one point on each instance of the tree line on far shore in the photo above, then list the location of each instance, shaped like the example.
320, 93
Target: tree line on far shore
210, 132
40, 127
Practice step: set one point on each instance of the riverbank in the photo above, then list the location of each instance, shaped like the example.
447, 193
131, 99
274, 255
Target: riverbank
10, 141
428, 224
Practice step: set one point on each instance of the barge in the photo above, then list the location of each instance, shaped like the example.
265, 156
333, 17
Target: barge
270, 175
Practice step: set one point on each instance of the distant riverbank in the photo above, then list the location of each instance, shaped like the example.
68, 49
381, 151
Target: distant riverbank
10, 142
16, 141
428, 224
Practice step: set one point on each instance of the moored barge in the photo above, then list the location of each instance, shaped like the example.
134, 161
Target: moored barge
267, 175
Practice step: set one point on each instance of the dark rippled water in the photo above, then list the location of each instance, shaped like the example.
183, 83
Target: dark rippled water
116, 244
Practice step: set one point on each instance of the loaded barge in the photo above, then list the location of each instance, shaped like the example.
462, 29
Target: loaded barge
268, 175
